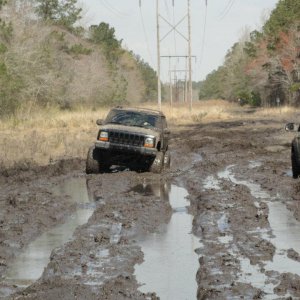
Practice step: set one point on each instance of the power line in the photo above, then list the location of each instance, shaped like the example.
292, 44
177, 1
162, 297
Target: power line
113, 9
231, 3
175, 43
169, 16
204, 35
116, 10
227, 9
146, 36
190, 89
167, 8
109, 8
158, 55
174, 27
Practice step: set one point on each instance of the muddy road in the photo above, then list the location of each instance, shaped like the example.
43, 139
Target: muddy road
222, 223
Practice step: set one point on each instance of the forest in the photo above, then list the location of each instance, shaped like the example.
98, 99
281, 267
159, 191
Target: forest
263, 67
48, 59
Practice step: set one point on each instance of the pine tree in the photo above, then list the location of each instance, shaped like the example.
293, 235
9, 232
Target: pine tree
68, 13
104, 35
47, 9
63, 12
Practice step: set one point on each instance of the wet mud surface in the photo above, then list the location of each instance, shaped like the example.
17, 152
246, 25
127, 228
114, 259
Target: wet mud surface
240, 202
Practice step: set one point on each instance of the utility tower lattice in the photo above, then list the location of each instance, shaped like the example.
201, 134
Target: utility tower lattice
178, 71
174, 28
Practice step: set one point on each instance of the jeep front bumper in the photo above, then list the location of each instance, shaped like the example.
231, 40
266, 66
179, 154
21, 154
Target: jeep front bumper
126, 148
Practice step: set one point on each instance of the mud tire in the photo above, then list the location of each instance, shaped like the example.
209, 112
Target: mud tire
157, 164
167, 160
92, 164
295, 162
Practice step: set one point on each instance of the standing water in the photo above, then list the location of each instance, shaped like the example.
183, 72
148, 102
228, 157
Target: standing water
285, 236
29, 266
286, 230
170, 262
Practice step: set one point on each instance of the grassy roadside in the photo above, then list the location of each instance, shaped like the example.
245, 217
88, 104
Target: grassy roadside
50, 135
47, 136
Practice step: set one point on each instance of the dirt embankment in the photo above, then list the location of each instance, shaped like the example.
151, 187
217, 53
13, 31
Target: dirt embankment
235, 172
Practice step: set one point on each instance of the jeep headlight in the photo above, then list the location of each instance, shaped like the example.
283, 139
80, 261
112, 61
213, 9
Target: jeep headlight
149, 142
103, 136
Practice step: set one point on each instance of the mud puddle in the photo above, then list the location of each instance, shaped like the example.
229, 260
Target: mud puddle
29, 266
170, 262
211, 183
284, 235
286, 231
288, 173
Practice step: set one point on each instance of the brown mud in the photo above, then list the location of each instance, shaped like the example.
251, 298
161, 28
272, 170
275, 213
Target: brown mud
235, 172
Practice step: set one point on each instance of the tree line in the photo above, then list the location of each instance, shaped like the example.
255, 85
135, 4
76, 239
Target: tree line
41, 49
263, 67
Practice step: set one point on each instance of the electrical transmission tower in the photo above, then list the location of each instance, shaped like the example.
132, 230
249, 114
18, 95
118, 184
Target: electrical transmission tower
188, 39
174, 28
178, 71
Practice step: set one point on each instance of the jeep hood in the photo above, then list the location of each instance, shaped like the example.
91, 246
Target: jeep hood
131, 129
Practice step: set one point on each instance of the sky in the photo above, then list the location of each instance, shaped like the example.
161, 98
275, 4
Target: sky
214, 29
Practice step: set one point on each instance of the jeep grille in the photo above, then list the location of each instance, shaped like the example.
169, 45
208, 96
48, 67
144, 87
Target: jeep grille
126, 138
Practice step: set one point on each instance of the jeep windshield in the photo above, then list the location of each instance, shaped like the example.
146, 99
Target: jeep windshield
132, 118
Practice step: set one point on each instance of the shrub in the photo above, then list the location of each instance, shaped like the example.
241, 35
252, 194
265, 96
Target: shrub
78, 49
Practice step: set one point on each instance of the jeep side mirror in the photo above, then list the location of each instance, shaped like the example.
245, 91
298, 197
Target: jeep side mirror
99, 122
167, 131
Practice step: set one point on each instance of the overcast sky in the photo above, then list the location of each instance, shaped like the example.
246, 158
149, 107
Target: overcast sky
226, 21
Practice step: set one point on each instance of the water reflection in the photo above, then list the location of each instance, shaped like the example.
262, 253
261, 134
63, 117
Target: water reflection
170, 262
285, 229
160, 190
29, 266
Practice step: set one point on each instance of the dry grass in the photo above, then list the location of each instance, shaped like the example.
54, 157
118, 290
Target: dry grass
276, 112
204, 111
49, 135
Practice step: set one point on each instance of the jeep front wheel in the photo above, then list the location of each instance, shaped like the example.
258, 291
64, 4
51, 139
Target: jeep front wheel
157, 164
92, 164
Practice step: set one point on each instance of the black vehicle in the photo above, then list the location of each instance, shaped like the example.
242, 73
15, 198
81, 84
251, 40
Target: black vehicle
295, 149
133, 137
